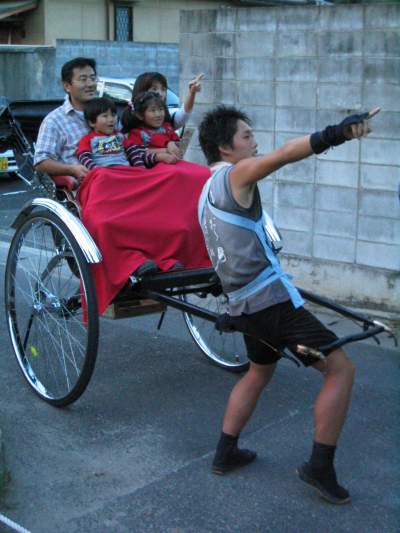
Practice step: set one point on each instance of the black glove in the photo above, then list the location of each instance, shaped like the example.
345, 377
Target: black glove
334, 135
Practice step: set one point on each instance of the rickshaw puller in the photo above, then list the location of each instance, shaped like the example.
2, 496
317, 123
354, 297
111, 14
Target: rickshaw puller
262, 299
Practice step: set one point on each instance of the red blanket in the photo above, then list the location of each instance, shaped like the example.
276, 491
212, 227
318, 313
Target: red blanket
135, 214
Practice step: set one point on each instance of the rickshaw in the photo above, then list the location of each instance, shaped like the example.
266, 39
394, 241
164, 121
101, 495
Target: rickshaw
50, 299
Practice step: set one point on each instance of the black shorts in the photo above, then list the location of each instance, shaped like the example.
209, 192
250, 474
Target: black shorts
282, 326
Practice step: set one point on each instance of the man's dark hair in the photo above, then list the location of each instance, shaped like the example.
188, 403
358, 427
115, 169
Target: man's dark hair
218, 128
67, 70
93, 108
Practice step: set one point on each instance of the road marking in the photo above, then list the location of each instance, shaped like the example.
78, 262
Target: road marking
13, 525
12, 193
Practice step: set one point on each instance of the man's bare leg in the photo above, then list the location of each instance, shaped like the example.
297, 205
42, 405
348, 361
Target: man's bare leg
241, 404
330, 412
333, 400
244, 396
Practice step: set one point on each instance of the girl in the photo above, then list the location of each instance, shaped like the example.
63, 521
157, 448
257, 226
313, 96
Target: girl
156, 82
147, 127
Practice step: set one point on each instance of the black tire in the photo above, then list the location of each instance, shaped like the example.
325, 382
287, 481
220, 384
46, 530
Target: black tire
55, 346
226, 350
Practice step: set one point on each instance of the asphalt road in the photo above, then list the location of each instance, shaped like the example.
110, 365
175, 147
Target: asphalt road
13, 194
133, 454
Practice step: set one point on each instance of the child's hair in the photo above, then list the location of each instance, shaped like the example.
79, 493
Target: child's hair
93, 108
144, 82
131, 117
218, 128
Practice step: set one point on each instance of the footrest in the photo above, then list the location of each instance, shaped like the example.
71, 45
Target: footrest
134, 307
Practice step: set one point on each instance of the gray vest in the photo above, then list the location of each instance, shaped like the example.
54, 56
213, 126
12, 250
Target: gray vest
237, 254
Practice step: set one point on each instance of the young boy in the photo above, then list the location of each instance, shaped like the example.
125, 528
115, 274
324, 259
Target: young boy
262, 300
104, 145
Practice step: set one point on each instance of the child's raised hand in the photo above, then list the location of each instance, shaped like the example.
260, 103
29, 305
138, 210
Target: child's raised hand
194, 87
195, 84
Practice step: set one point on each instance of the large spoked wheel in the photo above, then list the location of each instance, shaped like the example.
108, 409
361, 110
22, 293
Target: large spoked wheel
226, 350
54, 336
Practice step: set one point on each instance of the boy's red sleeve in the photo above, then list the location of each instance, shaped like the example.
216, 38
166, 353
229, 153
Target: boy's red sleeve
84, 152
84, 145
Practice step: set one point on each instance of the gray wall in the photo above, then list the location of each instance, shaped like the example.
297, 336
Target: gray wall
27, 72
124, 60
295, 70
33, 72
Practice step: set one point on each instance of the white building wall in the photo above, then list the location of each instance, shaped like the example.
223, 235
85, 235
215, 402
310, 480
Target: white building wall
75, 19
153, 20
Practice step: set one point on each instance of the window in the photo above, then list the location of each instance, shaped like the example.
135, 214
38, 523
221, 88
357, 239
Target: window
123, 22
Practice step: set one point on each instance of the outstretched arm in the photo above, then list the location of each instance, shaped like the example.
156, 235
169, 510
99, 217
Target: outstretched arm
247, 172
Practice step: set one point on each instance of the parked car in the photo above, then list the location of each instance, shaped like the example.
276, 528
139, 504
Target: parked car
121, 89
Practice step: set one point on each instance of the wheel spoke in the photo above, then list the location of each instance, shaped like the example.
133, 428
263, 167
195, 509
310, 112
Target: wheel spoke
227, 350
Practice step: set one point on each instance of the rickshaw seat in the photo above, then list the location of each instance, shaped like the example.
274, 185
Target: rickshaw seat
67, 182
66, 189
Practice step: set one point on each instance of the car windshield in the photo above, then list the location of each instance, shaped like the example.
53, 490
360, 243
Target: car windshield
123, 91
118, 91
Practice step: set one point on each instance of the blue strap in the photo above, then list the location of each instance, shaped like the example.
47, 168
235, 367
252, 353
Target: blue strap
232, 218
264, 278
294, 294
257, 226
267, 276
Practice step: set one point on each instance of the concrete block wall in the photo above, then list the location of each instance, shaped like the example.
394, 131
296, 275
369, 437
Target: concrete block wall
33, 72
123, 60
295, 70
27, 72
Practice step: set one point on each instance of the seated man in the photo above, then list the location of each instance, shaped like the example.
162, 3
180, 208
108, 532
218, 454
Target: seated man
62, 129
262, 300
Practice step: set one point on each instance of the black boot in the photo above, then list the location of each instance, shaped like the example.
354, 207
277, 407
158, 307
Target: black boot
228, 456
320, 473
146, 268
325, 482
